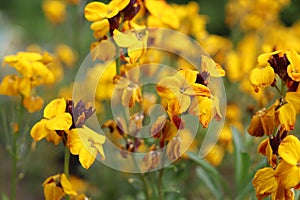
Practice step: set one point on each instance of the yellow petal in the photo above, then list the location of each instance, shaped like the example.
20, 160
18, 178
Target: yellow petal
87, 157
66, 185
55, 107
53, 137
287, 116
287, 175
33, 103
51, 191
95, 11
289, 150
60, 122
208, 65
262, 77
158, 125
263, 58
189, 75
293, 68
9, 85
179, 104
294, 99
264, 182
168, 87
39, 130
124, 39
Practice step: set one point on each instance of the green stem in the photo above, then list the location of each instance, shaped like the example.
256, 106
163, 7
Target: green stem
145, 186
14, 166
67, 162
118, 61
160, 184
14, 151
66, 165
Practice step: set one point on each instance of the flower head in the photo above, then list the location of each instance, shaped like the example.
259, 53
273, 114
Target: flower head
57, 186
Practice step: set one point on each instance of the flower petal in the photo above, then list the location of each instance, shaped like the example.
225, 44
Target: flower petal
55, 107
289, 149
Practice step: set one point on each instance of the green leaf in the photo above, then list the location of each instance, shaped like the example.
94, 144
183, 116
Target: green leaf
4, 197
241, 160
213, 186
211, 171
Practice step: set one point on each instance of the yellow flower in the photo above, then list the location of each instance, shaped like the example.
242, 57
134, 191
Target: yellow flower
127, 87
294, 99
135, 40
261, 77
57, 186
33, 103
215, 155
32, 67
55, 119
66, 55
55, 11
293, 68
288, 170
263, 122
87, 144
162, 12
179, 89
104, 16
10, 85
96, 11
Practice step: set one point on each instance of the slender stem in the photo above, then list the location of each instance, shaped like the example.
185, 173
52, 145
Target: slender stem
14, 167
14, 151
145, 186
67, 162
118, 60
160, 184
66, 165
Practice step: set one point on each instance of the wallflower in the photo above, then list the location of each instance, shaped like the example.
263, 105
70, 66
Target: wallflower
66, 55
57, 186
179, 89
134, 40
55, 11
287, 116
87, 144
162, 12
55, 119
104, 16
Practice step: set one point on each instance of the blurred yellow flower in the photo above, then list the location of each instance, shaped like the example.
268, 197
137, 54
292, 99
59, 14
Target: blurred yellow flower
215, 155
66, 55
33, 103
87, 144
55, 119
57, 186
162, 12
55, 10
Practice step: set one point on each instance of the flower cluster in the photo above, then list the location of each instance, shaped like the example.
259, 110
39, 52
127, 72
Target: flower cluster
281, 147
32, 72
